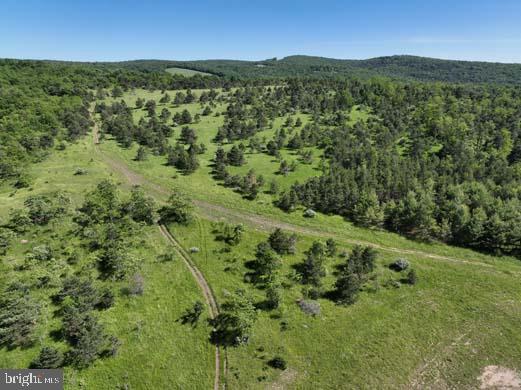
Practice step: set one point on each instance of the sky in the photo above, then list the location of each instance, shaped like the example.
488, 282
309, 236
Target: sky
112, 30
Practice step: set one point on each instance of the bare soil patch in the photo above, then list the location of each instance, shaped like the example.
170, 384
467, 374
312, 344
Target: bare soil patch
499, 378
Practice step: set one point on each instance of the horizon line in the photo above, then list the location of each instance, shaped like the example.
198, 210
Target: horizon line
259, 60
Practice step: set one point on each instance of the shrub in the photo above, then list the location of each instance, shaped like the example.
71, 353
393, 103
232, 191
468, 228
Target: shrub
411, 277
19, 221
41, 253
312, 292
347, 287
233, 325
391, 283
114, 262
309, 307
80, 291
178, 210
165, 257
278, 363
331, 247
106, 299
140, 207
23, 181
136, 285
6, 236
85, 335
192, 315
309, 213
43, 208
399, 265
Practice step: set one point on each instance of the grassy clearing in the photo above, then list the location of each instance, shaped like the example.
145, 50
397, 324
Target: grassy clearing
156, 350
186, 72
456, 320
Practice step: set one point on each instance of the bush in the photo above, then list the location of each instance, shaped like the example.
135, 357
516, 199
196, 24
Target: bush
106, 299
6, 236
80, 172
166, 257
233, 325
278, 363
141, 207
412, 279
309, 307
41, 253
312, 292
309, 213
136, 285
347, 287
191, 316
399, 265
391, 283
19, 221
80, 291
85, 335
178, 210
23, 181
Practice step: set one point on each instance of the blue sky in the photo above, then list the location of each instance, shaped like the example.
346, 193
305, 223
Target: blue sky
251, 29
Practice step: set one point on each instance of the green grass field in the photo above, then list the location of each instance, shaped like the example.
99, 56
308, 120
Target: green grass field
156, 350
462, 315
456, 320
186, 72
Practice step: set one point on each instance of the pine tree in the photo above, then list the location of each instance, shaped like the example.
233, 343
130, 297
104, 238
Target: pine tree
48, 358
282, 243
347, 287
312, 269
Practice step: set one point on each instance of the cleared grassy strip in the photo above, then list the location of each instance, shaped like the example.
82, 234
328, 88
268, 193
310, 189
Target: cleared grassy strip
186, 72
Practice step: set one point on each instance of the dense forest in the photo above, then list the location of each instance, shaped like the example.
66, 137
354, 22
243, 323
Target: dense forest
398, 67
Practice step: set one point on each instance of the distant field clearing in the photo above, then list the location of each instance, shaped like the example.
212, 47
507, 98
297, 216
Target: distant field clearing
186, 72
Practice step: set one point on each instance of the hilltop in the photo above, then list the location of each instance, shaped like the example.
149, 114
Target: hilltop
404, 67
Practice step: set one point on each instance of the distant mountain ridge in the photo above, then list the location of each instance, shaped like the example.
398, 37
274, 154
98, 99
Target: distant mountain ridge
399, 67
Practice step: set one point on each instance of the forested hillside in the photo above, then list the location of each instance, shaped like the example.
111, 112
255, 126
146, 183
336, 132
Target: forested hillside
45, 106
398, 67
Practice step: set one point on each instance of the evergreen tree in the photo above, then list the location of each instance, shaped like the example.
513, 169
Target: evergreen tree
347, 287
282, 243
141, 207
233, 325
19, 314
48, 358
235, 156
178, 209
312, 269
141, 154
